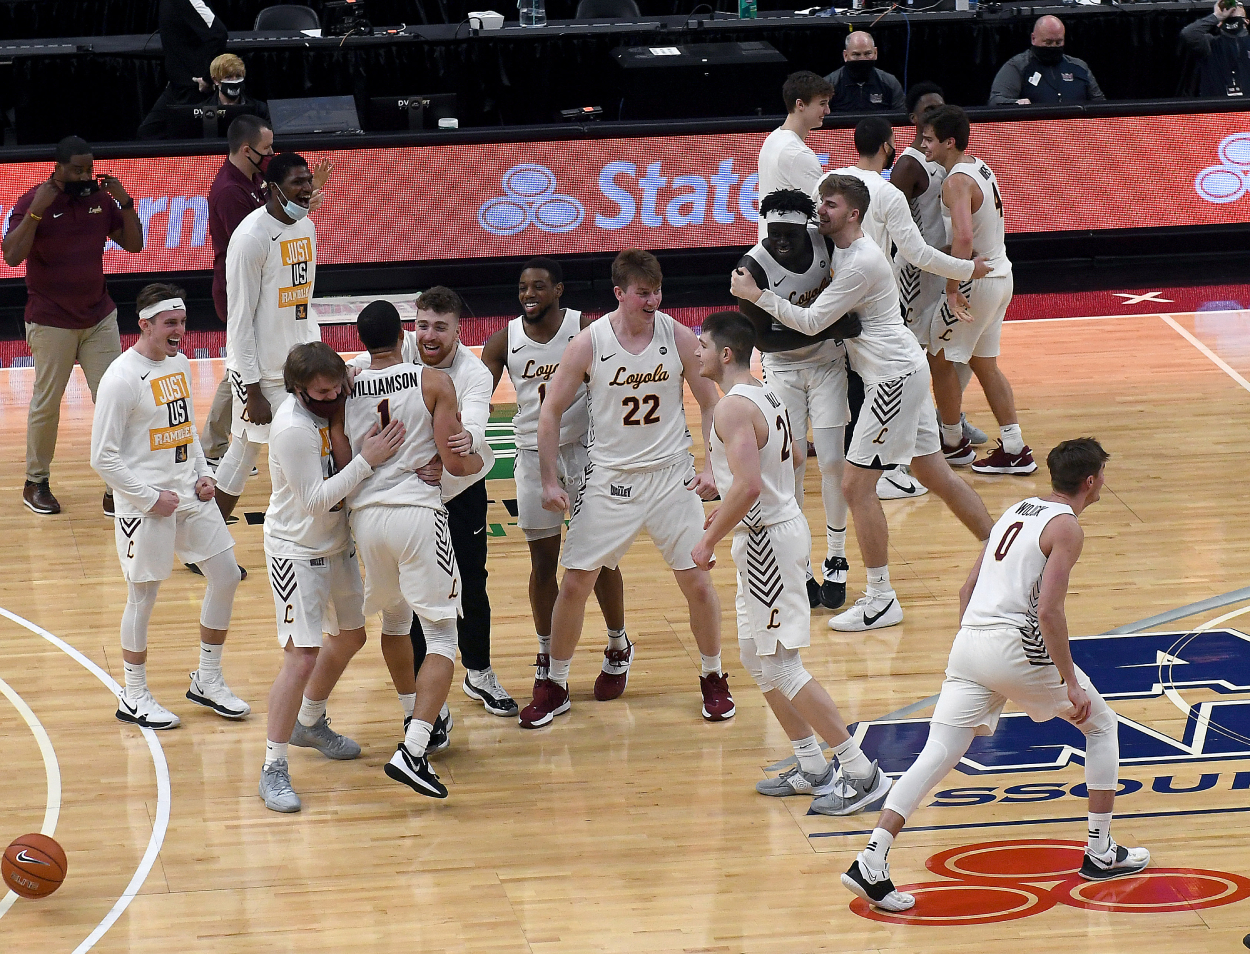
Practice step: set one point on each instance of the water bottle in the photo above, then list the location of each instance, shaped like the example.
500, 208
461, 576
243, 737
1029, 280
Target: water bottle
533, 12
747, 9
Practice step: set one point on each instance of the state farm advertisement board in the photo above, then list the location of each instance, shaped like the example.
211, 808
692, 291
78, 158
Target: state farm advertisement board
520, 199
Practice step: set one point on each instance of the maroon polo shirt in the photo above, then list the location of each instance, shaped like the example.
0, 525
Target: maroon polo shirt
231, 199
65, 268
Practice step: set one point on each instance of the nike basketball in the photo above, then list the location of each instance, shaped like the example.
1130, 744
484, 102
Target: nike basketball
33, 866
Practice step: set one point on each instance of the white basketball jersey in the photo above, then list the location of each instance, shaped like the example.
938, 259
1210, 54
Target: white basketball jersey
637, 414
776, 503
926, 208
1010, 581
531, 365
989, 232
379, 397
802, 289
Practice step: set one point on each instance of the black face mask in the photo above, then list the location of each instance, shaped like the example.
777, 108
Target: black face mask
80, 188
1233, 26
859, 70
231, 89
889, 159
325, 409
1048, 55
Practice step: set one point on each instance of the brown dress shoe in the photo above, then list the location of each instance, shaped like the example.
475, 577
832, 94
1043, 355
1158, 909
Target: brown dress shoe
38, 497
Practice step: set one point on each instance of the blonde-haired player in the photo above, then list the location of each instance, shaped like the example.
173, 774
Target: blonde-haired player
752, 453
143, 443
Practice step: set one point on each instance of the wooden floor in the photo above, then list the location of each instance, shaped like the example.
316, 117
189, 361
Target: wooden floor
629, 826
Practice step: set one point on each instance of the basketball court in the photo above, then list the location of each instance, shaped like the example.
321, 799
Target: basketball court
633, 825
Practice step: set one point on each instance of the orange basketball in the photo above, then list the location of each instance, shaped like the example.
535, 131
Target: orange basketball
33, 866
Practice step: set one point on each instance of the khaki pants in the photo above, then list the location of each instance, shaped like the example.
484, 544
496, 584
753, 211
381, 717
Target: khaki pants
55, 350
216, 435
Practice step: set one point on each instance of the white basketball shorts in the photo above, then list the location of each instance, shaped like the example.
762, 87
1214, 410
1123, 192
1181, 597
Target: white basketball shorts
240, 426
570, 468
896, 423
988, 299
772, 599
312, 597
815, 395
147, 544
921, 294
407, 556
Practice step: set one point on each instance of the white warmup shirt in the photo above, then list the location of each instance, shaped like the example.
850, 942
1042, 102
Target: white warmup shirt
801, 290
989, 232
776, 502
270, 269
307, 518
531, 365
786, 162
863, 283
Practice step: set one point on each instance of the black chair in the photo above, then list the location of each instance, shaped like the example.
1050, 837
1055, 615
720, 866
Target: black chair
607, 10
288, 16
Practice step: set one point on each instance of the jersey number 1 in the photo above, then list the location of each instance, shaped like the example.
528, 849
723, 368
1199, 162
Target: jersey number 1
384, 411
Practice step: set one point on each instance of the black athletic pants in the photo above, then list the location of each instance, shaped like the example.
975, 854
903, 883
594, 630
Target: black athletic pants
466, 519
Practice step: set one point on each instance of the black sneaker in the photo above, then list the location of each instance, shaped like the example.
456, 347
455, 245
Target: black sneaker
1115, 862
440, 735
813, 593
833, 590
415, 773
490, 694
875, 887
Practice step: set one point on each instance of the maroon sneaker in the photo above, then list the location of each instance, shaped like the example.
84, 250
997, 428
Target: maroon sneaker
542, 665
959, 455
550, 700
718, 704
1000, 462
614, 676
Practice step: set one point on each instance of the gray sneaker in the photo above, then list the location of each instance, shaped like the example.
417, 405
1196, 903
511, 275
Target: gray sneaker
324, 739
275, 788
851, 795
795, 781
976, 436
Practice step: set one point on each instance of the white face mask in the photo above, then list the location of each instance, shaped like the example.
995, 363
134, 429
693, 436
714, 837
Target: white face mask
293, 210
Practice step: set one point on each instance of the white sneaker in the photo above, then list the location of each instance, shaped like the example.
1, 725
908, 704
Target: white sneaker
141, 708
869, 612
899, 484
275, 788
875, 887
1115, 862
217, 696
483, 686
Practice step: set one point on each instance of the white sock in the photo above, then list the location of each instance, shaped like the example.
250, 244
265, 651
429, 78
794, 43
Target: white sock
210, 661
1099, 832
878, 850
879, 582
711, 664
136, 676
811, 758
544, 645
617, 640
559, 672
952, 434
417, 738
853, 762
409, 701
835, 540
274, 751
310, 712
1013, 442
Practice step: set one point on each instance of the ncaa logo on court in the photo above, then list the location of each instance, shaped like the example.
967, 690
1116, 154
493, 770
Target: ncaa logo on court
530, 198
1230, 180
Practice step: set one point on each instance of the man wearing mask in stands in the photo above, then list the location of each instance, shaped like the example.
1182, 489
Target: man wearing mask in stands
1043, 75
1221, 44
229, 76
859, 86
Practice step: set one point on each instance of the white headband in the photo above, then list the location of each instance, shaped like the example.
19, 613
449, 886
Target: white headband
795, 218
169, 304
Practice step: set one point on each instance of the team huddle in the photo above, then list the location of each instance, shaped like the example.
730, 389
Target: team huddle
378, 464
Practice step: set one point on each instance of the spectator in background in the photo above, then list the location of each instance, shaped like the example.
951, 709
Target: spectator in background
859, 86
59, 228
1221, 44
1043, 75
191, 35
229, 74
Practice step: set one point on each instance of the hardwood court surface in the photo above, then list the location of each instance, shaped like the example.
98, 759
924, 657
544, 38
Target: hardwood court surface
633, 826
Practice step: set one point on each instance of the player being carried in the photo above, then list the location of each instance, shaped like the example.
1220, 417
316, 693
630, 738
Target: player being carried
642, 476
531, 347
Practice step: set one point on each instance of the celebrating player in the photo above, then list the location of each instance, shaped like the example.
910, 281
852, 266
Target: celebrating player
144, 446
1013, 646
531, 347
642, 473
752, 451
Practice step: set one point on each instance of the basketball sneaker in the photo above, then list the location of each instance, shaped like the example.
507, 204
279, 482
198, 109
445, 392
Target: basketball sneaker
440, 734
795, 781
1115, 862
718, 704
612, 679
275, 788
899, 484
542, 665
959, 455
813, 592
550, 700
1000, 462
483, 686
415, 773
851, 795
875, 887
325, 740
216, 695
142, 709
833, 590
107, 504
869, 612
976, 437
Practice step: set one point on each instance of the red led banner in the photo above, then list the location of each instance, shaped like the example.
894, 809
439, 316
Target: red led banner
552, 198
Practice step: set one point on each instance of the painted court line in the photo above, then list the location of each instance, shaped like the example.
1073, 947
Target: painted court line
1215, 358
162, 785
